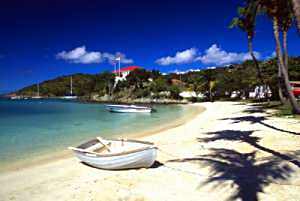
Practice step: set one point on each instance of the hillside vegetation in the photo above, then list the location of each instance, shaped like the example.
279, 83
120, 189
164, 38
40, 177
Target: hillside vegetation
214, 84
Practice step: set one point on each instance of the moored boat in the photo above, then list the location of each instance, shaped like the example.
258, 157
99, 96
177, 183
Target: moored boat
70, 96
128, 109
116, 154
38, 92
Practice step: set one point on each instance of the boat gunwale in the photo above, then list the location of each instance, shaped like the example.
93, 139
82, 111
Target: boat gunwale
78, 149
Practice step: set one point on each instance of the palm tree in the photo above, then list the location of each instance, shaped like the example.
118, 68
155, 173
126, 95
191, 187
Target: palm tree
246, 22
275, 10
285, 24
296, 6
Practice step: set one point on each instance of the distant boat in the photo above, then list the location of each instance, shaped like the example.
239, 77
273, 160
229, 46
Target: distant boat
128, 109
38, 92
116, 154
71, 96
15, 97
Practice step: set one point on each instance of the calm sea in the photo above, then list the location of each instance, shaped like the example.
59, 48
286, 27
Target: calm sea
31, 128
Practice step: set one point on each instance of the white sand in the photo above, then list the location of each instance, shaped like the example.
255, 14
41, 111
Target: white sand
271, 172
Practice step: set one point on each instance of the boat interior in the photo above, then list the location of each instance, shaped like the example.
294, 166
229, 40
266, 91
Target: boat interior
102, 146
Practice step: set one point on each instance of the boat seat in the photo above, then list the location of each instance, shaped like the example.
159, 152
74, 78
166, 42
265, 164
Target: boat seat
102, 148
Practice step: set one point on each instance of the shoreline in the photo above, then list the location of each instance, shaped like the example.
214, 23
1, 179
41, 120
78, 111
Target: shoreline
65, 154
190, 157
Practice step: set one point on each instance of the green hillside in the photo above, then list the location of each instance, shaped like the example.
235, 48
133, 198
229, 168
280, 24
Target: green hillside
213, 83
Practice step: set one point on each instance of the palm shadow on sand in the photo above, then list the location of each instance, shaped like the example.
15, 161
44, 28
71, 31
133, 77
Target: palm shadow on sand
249, 176
247, 137
259, 120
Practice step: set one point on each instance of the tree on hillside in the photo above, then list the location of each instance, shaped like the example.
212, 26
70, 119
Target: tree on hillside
209, 76
137, 77
104, 83
246, 22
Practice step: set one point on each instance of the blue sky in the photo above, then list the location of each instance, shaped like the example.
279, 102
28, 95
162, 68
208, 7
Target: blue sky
43, 39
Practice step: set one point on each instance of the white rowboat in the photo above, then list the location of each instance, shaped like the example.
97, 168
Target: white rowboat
128, 109
116, 154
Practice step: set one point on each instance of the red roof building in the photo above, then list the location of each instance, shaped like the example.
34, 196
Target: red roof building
296, 88
125, 71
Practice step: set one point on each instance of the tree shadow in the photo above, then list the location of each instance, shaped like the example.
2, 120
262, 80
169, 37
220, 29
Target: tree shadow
259, 120
239, 103
254, 110
249, 176
246, 136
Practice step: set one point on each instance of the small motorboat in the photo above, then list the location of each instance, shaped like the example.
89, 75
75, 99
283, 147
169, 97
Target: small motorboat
69, 97
116, 154
128, 109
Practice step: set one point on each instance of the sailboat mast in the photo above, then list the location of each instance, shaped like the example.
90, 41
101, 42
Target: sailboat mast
71, 86
38, 89
119, 66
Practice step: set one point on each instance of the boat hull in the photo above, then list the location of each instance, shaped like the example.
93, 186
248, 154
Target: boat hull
122, 154
118, 110
128, 109
69, 97
141, 159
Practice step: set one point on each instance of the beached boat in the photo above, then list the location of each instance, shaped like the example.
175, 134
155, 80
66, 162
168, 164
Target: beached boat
128, 108
116, 154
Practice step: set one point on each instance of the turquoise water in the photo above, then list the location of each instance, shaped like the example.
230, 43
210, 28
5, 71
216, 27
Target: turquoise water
30, 128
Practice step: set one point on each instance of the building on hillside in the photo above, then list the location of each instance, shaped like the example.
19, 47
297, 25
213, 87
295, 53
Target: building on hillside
260, 92
296, 88
124, 72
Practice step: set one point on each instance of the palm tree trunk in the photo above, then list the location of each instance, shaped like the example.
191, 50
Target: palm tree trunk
285, 50
282, 92
279, 83
296, 6
250, 47
258, 70
291, 97
210, 91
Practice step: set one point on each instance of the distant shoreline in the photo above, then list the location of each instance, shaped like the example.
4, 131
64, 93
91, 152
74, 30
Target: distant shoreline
133, 101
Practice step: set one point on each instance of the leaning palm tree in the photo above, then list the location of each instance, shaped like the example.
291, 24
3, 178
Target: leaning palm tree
246, 22
296, 6
274, 9
286, 21
285, 24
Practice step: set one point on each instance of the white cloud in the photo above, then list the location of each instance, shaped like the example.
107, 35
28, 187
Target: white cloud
81, 55
186, 56
213, 55
217, 56
272, 55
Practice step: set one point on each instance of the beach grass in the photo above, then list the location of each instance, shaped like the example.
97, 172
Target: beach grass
281, 110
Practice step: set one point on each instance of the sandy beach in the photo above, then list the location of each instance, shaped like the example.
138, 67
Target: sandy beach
230, 151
